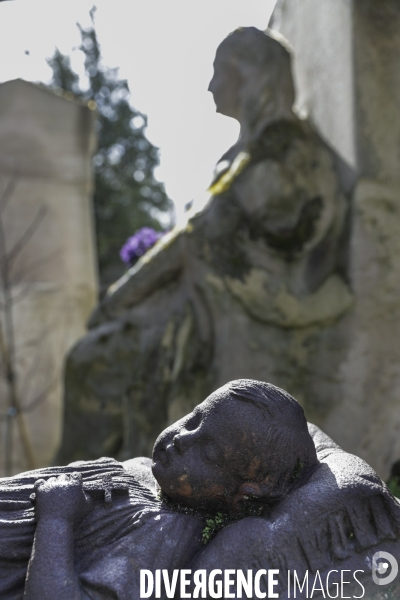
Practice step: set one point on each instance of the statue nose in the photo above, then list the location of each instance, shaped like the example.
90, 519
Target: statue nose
182, 441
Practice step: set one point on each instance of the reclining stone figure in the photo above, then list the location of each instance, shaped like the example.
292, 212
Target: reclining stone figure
289, 497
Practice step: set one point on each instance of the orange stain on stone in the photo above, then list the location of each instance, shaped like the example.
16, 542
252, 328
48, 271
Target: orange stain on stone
253, 468
227, 452
216, 489
185, 489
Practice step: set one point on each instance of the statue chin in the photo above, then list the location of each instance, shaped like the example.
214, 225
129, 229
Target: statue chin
159, 474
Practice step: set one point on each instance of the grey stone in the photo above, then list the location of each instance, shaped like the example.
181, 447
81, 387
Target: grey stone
251, 286
244, 482
46, 144
223, 297
349, 88
346, 70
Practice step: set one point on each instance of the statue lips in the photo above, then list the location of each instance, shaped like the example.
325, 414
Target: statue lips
170, 451
160, 455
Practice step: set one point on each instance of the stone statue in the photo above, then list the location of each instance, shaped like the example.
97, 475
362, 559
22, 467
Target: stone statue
249, 287
286, 496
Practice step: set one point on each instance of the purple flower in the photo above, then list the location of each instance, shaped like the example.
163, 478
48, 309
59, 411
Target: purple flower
138, 244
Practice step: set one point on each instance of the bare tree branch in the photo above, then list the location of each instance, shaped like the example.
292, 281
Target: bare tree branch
7, 193
25, 238
22, 293
31, 343
27, 378
20, 387
3, 347
41, 397
34, 265
7, 344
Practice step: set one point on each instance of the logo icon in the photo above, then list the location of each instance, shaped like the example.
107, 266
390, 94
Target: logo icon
384, 568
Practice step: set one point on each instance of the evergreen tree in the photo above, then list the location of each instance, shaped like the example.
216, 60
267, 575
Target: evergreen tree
126, 195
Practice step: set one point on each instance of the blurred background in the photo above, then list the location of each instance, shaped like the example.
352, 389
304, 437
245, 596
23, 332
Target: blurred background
158, 59
108, 137
106, 127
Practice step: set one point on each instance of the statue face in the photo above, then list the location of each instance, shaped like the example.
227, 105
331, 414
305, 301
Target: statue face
252, 79
204, 458
225, 86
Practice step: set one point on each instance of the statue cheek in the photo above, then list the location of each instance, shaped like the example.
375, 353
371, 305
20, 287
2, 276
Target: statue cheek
184, 489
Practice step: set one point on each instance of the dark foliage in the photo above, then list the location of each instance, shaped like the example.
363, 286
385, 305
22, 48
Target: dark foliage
127, 196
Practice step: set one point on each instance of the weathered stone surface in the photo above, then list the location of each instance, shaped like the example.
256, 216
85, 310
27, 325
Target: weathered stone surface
346, 71
367, 418
350, 89
46, 144
276, 279
241, 483
249, 287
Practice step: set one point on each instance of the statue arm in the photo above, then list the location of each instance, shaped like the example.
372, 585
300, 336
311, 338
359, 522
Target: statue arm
51, 572
60, 504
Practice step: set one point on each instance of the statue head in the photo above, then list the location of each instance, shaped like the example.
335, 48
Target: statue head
247, 440
252, 76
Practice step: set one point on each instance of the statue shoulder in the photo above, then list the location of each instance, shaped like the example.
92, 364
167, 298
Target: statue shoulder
290, 142
140, 469
278, 138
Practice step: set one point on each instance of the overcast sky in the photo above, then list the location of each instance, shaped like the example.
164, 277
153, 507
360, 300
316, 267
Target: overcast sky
165, 48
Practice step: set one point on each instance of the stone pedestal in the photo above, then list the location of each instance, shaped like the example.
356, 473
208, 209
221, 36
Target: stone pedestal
46, 143
347, 74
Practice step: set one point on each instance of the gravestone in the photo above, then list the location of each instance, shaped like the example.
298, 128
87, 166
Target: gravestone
346, 59
46, 143
251, 286
289, 274
346, 69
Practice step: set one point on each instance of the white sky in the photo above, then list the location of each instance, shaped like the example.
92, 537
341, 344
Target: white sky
164, 48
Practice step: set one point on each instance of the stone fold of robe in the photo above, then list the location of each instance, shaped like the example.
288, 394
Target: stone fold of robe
136, 531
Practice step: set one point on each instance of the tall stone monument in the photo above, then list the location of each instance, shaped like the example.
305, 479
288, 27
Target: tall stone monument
346, 70
249, 287
46, 143
290, 273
